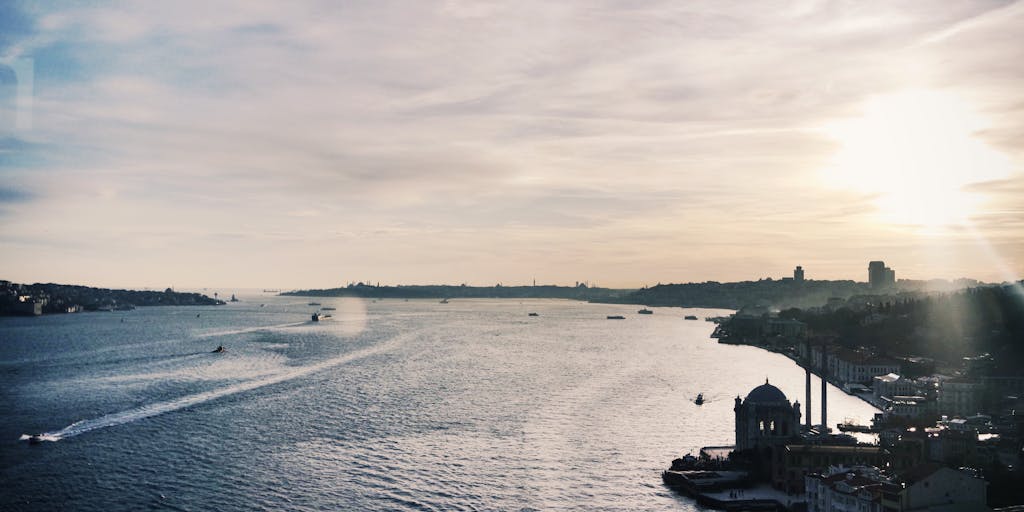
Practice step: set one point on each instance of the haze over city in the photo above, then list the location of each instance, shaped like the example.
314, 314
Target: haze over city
234, 144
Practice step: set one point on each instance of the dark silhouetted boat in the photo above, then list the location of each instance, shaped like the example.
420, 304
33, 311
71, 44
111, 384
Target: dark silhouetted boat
219, 349
327, 308
690, 317
616, 317
534, 314
35, 439
645, 311
313, 304
700, 399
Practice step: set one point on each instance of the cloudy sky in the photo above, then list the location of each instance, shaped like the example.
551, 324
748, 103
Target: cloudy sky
236, 143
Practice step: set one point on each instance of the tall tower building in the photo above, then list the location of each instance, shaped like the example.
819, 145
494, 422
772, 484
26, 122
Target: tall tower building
798, 274
879, 275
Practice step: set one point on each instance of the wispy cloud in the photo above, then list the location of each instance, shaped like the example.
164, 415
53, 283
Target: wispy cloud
509, 133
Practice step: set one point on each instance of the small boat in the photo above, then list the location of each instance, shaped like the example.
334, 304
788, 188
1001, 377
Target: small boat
35, 439
313, 304
444, 301
616, 317
645, 311
219, 349
700, 399
233, 298
327, 308
320, 316
534, 314
690, 317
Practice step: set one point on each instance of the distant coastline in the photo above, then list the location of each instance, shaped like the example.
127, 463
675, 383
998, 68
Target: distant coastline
49, 298
578, 292
771, 293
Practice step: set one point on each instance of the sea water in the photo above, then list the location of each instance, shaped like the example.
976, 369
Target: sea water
388, 405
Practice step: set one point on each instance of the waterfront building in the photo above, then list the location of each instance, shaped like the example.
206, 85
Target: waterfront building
850, 366
890, 385
910, 407
765, 423
786, 327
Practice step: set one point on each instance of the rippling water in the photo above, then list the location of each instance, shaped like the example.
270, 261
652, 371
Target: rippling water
471, 405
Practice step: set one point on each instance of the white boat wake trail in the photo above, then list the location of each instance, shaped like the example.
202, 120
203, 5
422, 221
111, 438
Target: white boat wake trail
154, 409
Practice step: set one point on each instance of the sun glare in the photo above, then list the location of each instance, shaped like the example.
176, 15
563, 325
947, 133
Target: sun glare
915, 151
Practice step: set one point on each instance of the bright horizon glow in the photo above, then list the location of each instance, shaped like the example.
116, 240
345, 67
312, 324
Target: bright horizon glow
915, 151
229, 144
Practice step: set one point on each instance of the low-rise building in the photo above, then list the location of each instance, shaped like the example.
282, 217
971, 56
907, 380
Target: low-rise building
853, 366
892, 384
929, 487
858, 489
960, 397
936, 487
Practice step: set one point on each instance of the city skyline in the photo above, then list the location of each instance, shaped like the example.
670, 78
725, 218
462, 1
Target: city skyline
238, 145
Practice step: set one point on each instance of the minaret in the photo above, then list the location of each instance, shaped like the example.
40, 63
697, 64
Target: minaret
807, 386
824, 386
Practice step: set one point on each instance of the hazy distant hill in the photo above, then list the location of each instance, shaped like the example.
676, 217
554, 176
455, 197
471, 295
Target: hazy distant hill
580, 292
60, 298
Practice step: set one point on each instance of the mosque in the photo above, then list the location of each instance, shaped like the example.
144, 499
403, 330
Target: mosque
771, 442
766, 423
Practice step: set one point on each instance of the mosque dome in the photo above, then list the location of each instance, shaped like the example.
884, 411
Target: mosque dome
766, 393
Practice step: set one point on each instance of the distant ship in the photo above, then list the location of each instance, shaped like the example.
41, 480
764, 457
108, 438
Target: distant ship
690, 317
534, 314
233, 298
700, 399
645, 311
327, 308
616, 317
313, 304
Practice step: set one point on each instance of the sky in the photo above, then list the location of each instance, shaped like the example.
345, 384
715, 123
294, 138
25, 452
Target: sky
254, 144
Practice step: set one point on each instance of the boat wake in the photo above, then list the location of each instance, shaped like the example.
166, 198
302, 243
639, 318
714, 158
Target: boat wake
157, 408
247, 330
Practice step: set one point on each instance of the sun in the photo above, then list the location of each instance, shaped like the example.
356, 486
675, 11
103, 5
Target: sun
915, 152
